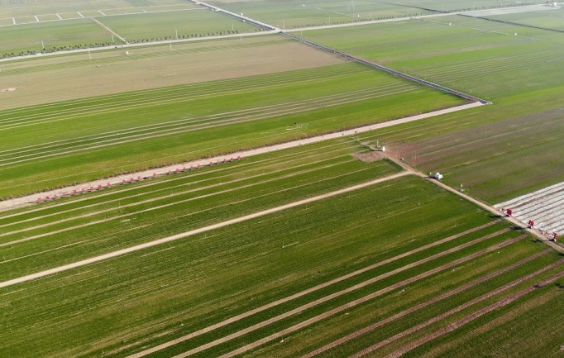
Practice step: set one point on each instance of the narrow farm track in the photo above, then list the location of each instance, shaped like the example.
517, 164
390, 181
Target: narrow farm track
334, 311
332, 296
308, 291
196, 231
423, 305
474, 316
458, 309
12, 203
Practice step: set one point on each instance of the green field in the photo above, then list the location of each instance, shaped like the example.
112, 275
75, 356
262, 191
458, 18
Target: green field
21, 10
548, 19
56, 36
496, 152
148, 297
324, 250
163, 26
51, 145
292, 14
69, 26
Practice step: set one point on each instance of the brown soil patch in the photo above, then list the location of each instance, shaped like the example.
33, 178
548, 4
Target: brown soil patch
370, 157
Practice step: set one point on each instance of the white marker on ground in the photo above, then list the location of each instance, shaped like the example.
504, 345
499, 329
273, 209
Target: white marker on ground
59, 16
79, 14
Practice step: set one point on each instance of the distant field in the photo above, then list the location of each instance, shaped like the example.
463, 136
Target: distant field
159, 26
77, 76
461, 5
401, 235
496, 152
294, 13
553, 19
25, 25
24, 10
61, 35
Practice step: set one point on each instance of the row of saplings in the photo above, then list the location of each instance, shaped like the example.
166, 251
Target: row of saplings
169, 38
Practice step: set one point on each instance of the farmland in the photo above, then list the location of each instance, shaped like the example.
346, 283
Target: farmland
228, 272
173, 124
324, 247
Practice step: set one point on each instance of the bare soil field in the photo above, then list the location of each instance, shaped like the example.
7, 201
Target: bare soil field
76, 76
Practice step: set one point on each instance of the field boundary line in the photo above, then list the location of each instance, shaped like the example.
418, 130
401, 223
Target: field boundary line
424, 304
108, 29
30, 199
307, 291
334, 311
197, 231
503, 302
456, 310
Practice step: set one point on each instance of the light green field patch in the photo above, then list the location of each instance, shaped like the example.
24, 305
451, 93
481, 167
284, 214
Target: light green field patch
553, 19
188, 23
55, 35
291, 14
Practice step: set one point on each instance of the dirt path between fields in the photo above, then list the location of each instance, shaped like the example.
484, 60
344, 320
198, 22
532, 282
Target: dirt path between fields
467, 319
423, 305
31, 199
